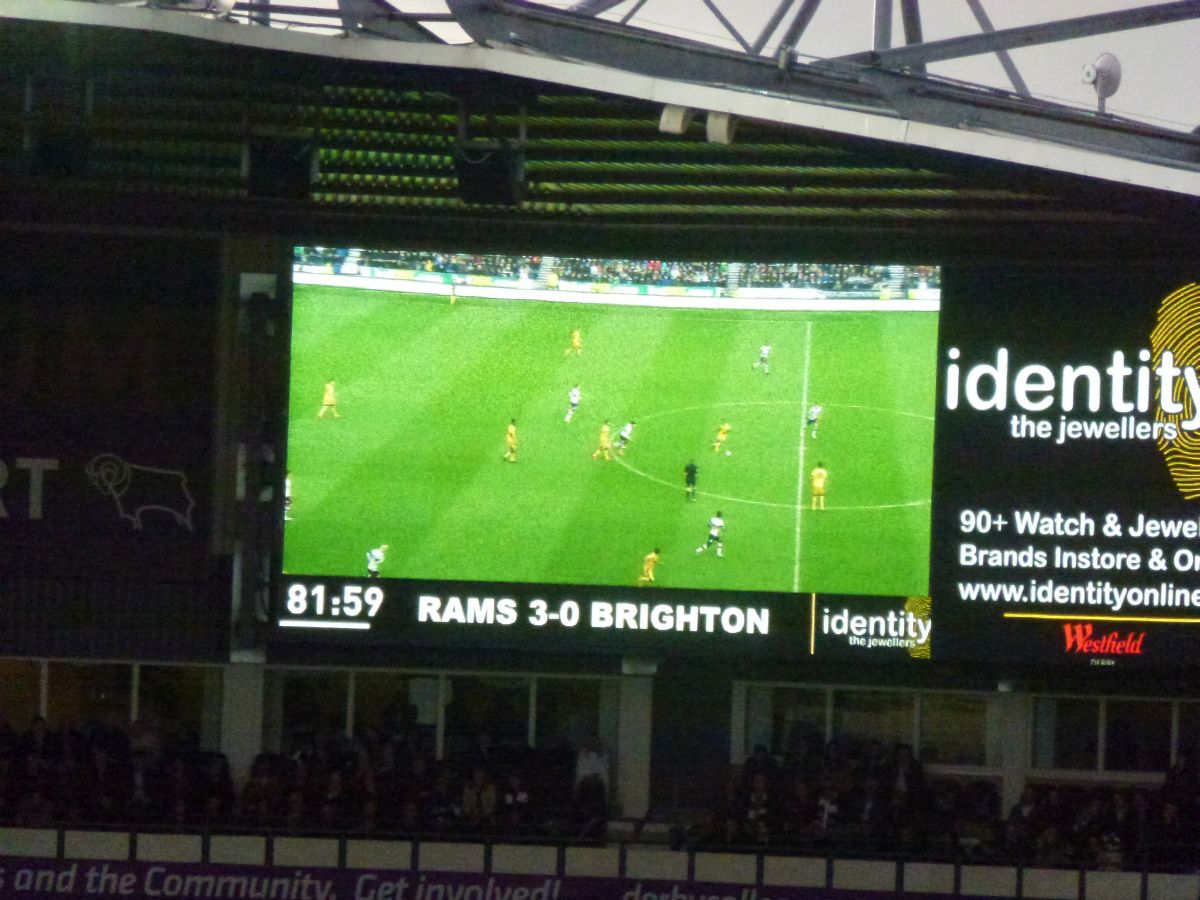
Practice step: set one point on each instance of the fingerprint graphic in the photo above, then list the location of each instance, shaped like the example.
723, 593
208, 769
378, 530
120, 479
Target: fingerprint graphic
1178, 330
922, 608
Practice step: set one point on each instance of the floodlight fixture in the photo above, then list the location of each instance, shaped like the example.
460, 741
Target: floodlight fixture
675, 119
721, 127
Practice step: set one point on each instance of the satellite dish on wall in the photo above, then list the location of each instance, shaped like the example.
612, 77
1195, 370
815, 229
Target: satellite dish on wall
1105, 76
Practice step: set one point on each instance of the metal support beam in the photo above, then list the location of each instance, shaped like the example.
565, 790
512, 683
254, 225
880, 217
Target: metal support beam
401, 29
796, 30
910, 15
357, 9
352, 15
633, 11
868, 90
728, 26
367, 17
1029, 35
566, 35
594, 7
259, 16
881, 34
768, 29
1006, 61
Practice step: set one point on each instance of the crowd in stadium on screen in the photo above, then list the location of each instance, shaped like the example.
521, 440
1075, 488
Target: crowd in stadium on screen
647, 271
837, 278
863, 798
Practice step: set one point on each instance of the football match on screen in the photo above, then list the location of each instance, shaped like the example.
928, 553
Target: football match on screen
702, 425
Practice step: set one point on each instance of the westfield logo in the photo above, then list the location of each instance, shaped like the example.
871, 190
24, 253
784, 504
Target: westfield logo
1080, 639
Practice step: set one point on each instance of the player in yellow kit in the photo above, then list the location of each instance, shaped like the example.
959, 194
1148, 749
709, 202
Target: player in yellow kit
818, 479
722, 434
576, 346
649, 561
510, 440
605, 443
329, 402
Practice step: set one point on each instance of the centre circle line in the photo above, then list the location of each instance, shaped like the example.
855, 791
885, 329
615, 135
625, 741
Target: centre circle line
769, 503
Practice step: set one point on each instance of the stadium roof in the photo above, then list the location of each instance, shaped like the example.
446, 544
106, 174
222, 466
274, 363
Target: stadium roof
830, 161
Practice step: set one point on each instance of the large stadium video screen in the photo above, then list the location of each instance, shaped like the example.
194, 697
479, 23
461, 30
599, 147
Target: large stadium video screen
469, 431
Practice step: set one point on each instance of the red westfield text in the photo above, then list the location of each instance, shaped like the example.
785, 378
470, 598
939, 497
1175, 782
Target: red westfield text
1079, 639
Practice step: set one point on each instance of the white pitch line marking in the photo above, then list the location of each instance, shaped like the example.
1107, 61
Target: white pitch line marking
800, 465
621, 461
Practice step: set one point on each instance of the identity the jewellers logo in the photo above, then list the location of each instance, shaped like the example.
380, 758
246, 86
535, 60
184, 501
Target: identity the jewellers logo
1080, 638
904, 629
1152, 394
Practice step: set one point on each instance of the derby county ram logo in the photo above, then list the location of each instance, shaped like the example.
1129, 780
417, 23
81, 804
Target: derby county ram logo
137, 490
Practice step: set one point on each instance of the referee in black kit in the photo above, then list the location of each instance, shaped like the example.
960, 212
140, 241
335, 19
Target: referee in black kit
689, 480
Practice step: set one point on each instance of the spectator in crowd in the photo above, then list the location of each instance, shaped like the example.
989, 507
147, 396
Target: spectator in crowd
1087, 830
295, 815
828, 809
1133, 828
800, 814
759, 762
336, 805
38, 742
103, 782
1170, 844
480, 801
142, 803
591, 807
1182, 784
868, 814
260, 798
445, 811
516, 801
145, 740
729, 811
904, 774
419, 788
591, 761
1021, 826
215, 788
760, 810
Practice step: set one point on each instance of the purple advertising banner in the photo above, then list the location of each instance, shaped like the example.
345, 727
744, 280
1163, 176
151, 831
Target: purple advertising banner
42, 879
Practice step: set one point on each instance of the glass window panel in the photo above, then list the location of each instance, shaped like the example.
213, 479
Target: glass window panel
309, 711
89, 697
485, 717
574, 715
397, 707
20, 692
1189, 733
179, 708
1064, 733
955, 730
864, 717
568, 714
789, 722
1137, 735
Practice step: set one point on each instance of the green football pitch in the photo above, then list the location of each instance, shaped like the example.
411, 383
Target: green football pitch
426, 390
